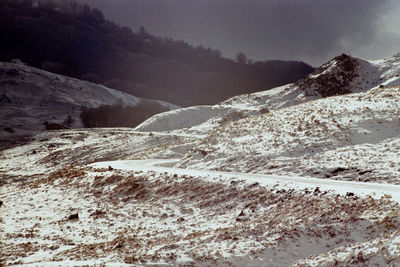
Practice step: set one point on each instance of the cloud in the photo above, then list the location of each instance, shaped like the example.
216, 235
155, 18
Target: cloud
309, 30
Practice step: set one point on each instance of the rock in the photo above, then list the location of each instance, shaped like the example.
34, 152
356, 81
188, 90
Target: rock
317, 191
73, 217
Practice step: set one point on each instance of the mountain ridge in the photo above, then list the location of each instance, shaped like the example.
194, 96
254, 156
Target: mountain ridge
78, 41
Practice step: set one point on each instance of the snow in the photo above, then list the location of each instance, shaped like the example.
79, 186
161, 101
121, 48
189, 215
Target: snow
284, 177
205, 119
374, 190
146, 214
50, 149
181, 118
339, 137
37, 96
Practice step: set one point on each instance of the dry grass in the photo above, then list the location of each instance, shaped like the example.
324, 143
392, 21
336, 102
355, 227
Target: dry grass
268, 217
63, 176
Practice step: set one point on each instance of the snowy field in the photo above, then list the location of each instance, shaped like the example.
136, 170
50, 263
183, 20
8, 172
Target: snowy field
133, 212
60, 209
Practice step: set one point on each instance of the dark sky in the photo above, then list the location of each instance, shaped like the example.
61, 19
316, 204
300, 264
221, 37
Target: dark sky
309, 30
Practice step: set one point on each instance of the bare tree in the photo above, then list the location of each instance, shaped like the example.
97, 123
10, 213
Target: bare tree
241, 58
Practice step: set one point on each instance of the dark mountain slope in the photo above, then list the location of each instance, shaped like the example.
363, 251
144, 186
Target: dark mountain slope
74, 40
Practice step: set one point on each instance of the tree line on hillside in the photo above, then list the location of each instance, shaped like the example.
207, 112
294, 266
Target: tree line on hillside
75, 40
119, 115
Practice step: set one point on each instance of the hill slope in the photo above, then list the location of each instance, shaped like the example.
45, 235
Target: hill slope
132, 209
333, 78
352, 137
80, 42
313, 127
29, 97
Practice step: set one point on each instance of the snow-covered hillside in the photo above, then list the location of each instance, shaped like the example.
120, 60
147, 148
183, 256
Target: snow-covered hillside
133, 212
341, 75
340, 122
29, 97
306, 174
352, 137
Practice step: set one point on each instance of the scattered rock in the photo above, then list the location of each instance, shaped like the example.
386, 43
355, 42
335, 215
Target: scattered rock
54, 247
317, 191
73, 217
364, 172
98, 213
203, 152
254, 185
337, 170
119, 245
264, 110
242, 217
110, 168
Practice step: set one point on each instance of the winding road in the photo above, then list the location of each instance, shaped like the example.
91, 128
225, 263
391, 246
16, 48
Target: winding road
375, 190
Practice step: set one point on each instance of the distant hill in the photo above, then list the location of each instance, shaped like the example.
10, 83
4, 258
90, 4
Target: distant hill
33, 100
74, 40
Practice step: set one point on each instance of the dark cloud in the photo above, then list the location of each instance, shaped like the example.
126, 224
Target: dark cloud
309, 30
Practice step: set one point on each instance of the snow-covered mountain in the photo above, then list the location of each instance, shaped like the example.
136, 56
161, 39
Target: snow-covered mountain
341, 122
29, 97
305, 174
341, 75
